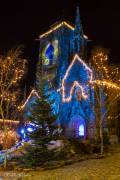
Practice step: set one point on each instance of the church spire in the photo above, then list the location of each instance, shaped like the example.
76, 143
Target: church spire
77, 19
78, 33
78, 25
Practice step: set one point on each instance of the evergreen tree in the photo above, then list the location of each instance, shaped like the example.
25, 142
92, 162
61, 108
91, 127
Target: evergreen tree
42, 116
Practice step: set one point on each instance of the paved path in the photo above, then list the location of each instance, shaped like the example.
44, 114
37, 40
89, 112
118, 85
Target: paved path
94, 169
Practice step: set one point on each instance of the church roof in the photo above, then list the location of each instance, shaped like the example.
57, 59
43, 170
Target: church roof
57, 26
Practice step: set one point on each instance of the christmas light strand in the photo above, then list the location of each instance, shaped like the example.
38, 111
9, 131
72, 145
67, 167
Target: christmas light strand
114, 117
75, 84
57, 27
107, 84
9, 121
63, 23
33, 92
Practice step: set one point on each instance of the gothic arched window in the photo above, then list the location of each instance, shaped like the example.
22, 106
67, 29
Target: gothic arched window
81, 130
50, 53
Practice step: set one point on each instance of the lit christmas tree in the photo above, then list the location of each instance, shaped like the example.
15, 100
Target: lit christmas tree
42, 117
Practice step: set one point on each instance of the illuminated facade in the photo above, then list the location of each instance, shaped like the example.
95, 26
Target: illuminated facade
71, 81
62, 49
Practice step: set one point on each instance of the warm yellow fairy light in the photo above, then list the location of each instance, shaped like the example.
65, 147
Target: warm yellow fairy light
68, 25
100, 60
76, 83
33, 92
10, 121
107, 84
56, 27
11, 72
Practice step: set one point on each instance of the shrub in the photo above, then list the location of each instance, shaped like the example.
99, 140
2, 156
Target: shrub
96, 148
81, 146
106, 138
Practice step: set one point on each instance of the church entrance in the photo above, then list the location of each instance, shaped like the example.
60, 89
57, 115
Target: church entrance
77, 127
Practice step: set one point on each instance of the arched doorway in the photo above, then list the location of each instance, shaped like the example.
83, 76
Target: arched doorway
77, 127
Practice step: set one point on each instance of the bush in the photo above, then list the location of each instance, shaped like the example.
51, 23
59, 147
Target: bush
64, 153
96, 148
53, 164
106, 139
81, 146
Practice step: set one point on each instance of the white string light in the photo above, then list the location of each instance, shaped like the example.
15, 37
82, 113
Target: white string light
33, 92
76, 83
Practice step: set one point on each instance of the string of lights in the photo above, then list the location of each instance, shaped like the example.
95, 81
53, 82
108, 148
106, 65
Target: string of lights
56, 27
91, 82
76, 58
33, 92
12, 71
63, 23
114, 117
107, 84
9, 121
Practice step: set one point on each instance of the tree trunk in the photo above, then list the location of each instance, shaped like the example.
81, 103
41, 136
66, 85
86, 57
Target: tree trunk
101, 137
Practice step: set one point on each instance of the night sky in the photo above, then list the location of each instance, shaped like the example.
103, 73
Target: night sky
22, 21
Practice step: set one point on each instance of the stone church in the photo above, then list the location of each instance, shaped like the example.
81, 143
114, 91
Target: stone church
61, 51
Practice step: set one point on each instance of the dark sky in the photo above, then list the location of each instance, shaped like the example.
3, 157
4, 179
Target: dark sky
22, 21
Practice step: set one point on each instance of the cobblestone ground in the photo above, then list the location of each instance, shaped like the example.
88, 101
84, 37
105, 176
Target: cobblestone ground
94, 169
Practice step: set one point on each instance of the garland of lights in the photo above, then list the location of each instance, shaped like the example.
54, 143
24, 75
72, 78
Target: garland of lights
107, 84
76, 84
10, 121
91, 81
116, 117
57, 27
33, 92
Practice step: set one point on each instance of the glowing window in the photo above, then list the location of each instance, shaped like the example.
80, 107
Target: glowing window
50, 53
81, 130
